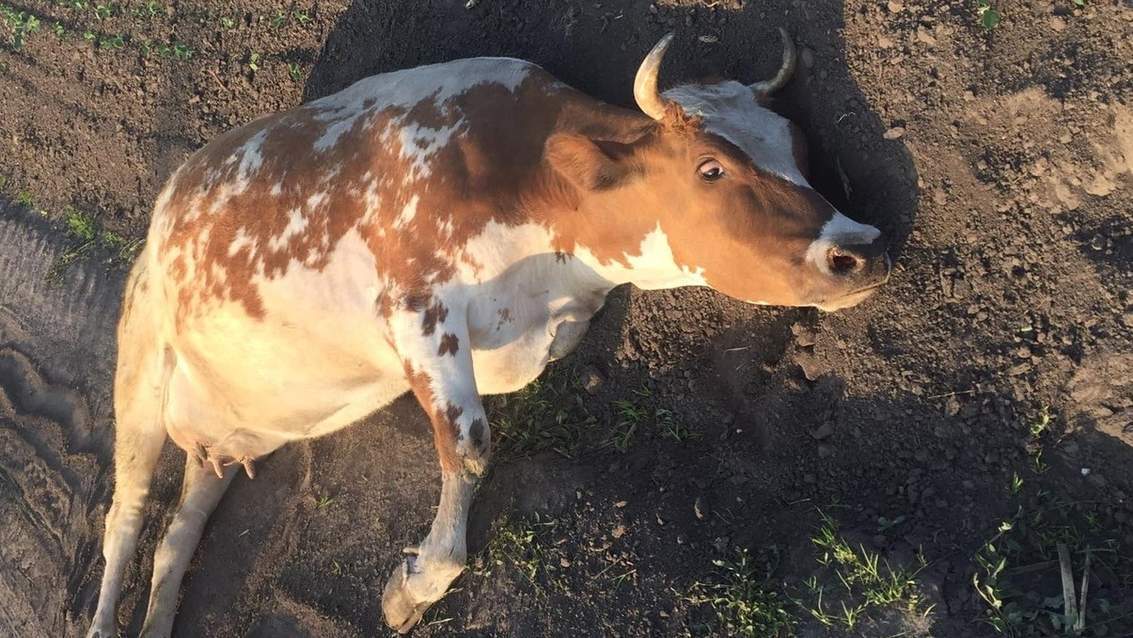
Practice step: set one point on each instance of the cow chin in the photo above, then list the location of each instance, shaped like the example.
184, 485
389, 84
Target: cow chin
847, 301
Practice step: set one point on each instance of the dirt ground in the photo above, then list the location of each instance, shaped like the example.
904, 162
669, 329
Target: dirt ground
909, 467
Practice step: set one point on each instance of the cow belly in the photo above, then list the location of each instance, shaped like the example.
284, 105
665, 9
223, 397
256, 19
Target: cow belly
263, 402
286, 377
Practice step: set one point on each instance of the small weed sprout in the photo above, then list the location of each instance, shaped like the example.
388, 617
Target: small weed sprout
295, 71
254, 61
864, 575
990, 563
20, 23
673, 428
520, 543
1041, 424
988, 15
227, 23
112, 42
543, 415
86, 236
80, 226
630, 416
742, 602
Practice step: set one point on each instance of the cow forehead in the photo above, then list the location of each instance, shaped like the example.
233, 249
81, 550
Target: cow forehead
730, 110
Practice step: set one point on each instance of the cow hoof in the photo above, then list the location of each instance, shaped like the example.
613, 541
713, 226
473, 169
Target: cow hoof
399, 607
101, 632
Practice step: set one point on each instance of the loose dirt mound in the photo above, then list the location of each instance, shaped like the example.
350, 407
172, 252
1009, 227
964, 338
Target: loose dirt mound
699, 466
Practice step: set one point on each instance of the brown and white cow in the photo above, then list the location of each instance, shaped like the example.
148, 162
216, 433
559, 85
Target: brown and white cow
445, 230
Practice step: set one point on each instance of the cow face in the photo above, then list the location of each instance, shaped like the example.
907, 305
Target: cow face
724, 178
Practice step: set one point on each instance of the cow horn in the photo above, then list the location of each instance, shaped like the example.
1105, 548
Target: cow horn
767, 87
645, 91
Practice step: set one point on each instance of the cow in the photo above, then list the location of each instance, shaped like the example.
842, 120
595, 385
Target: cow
445, 230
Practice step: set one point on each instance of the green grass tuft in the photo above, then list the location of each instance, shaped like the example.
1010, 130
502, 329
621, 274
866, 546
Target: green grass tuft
741, 601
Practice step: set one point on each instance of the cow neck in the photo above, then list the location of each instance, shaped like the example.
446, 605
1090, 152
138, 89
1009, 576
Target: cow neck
607, 241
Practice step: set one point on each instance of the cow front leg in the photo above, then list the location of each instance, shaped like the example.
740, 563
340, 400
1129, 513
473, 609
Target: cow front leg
434, 346
427, 570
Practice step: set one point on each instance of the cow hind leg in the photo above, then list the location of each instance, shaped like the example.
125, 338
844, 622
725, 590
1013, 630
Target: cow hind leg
200, 492
141, 381
139, 436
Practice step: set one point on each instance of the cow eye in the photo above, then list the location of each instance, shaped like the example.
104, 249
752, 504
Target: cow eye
710, 170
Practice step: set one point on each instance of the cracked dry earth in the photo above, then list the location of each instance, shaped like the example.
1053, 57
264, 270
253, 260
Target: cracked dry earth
698, 467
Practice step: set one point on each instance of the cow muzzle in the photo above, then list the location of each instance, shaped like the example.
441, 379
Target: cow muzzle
854, 271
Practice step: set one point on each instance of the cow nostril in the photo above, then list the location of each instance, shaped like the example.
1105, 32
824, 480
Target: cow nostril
843, 263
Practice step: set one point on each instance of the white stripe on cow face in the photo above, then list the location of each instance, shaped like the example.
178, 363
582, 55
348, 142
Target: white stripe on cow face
730, 110
839, 231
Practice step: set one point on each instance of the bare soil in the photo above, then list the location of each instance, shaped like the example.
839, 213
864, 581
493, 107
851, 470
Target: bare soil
978, 410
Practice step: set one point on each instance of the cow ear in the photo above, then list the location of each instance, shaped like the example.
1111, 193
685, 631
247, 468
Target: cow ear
588, 164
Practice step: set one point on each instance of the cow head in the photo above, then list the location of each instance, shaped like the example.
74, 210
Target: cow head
722, 177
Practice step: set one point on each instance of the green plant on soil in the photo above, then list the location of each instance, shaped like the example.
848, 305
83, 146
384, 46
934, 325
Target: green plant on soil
79, 225
1017, 571
20, 23
150, 10
630, 416
524, 544
673, 428
988, 15
86, 237
116, 41
741, 600
295, 71
545, 415
104, 11
867, 581
1040, 424
181, 51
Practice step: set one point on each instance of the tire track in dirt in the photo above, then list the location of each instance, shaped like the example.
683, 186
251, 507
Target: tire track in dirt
56, 362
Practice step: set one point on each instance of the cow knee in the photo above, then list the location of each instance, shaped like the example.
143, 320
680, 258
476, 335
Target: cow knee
477, 446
